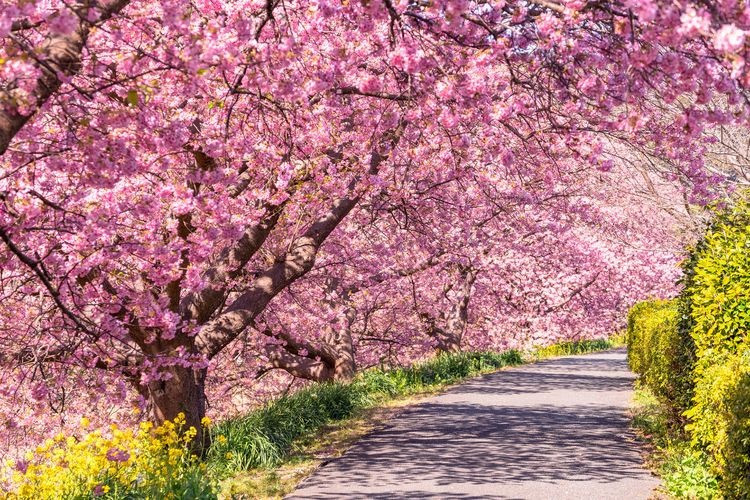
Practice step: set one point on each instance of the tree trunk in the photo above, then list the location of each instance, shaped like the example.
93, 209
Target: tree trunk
342, 343
448, 343
344, 368
296, 365
182, 391
331, 361
448, 330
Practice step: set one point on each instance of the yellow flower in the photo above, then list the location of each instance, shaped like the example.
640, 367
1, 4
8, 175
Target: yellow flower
85, 422
205, 421
66, 466
221, 439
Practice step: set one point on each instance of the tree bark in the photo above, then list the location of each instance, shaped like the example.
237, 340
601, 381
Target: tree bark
177, 388
448, 329
182, 391
345, 366
331, 361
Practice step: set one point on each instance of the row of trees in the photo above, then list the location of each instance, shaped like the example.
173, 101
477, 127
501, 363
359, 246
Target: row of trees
222, 187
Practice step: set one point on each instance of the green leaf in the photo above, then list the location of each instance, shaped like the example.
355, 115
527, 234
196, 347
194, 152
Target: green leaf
132, 98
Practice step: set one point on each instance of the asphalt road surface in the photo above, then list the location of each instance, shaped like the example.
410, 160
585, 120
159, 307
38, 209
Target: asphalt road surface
557, 429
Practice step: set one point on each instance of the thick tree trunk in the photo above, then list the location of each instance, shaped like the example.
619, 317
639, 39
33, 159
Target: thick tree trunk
340, 340
296, 365
340, 369
182, 391
447, 343
175, 389
448, 330
345, 367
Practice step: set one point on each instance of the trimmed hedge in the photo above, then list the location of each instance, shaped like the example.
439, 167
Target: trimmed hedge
660, 354
694, 352
719, 293
574, 347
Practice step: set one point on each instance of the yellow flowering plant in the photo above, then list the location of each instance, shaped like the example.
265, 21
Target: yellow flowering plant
150, 462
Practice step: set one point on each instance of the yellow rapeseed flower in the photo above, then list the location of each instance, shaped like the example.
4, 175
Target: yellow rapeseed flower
73, 467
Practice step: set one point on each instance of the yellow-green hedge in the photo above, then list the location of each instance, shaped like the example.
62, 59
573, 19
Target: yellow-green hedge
718, 290
720, 421
694, 352
659, 354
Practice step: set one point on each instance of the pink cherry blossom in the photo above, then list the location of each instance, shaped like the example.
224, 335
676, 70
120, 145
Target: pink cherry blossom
729, 38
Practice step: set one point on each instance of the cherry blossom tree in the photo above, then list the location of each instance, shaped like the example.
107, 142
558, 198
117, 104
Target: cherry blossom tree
168, 169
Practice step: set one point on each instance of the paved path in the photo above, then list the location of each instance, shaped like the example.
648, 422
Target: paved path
557, 429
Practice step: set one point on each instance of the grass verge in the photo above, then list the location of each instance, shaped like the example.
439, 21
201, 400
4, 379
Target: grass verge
683, 469
266, 453
576, 347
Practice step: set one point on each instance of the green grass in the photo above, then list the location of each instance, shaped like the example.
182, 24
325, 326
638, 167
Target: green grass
577, 347
684, 470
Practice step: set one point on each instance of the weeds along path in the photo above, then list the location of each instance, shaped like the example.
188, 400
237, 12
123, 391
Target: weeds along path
556, 429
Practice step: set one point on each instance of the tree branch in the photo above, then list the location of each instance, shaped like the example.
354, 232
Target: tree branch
59, 56
293, 265
37, 269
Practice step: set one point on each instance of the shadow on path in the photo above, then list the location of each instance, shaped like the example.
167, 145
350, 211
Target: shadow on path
554, 429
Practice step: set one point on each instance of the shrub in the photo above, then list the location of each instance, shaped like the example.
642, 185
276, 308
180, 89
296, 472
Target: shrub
661, 354
684, 470
718, 289
577, 347
721, 421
